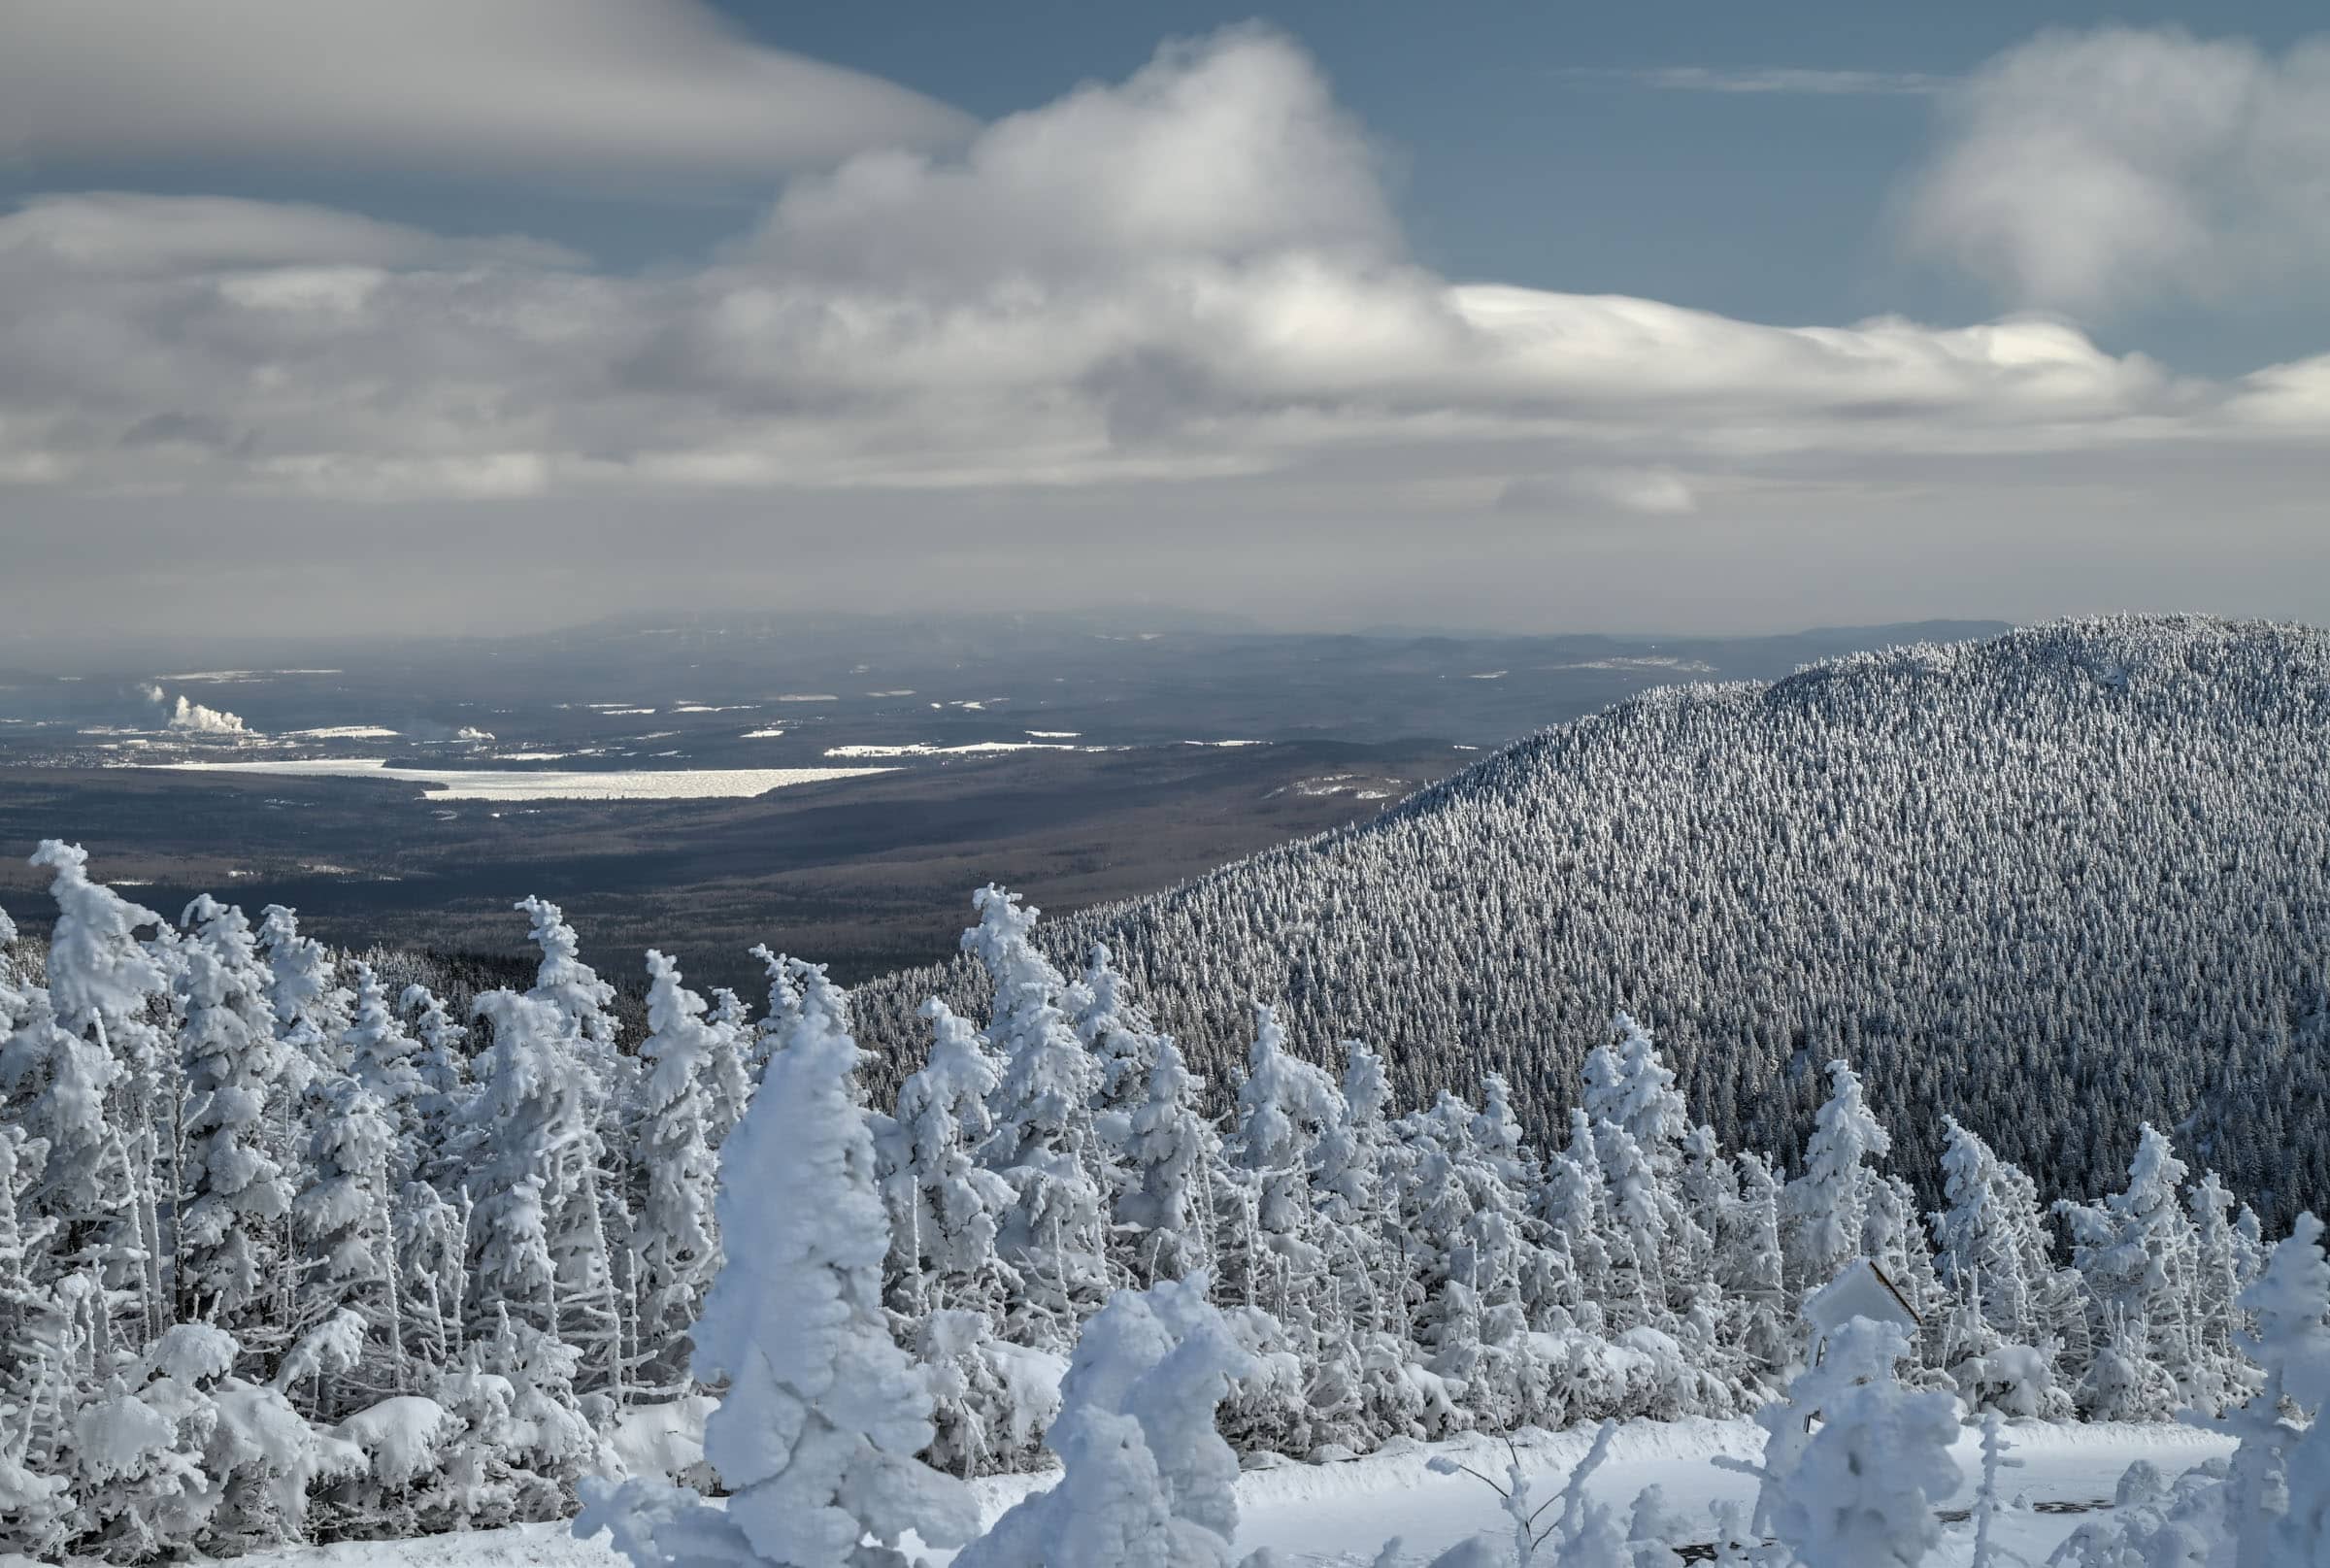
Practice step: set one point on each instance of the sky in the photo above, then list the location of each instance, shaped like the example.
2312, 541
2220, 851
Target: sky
495, 314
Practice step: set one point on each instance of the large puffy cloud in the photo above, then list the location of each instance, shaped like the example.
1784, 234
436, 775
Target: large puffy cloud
1170, 310
2093, 170
584, 87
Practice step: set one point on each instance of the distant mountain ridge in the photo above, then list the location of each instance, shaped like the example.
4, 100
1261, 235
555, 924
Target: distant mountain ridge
2056, 882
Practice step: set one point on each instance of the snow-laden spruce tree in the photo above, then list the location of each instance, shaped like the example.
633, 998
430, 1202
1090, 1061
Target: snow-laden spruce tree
1573, 1206
2137, 1252
942, 1204
565, 982
1629, 1084
1983, 1238
1115, 1030
784, 1004
1357, 1202
2268, 1476
1146, 1480
2224, 1376
37, 1396
1826, 1207
1862, 1492
1044, 1148
1754, 1270
1285, 1106
541, 1249
442, 1061
673, 1238
817, 1437
1164, 1204
311, 1012
1027, 989
59, 1091
2012, 1313
347, 1221
387, 1060
234, 1192
728, 1075
1859, 1489
1664, 1266
103, 985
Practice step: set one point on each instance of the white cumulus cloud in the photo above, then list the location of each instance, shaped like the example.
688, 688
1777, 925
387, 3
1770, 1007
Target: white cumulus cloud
2087, 171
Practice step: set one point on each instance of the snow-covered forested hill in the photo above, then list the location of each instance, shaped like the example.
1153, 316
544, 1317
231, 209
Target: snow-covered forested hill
2056, 885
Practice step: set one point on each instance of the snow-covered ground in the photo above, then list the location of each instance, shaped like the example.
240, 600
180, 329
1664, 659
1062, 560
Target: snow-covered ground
1337, 1515
484, 783
968, 749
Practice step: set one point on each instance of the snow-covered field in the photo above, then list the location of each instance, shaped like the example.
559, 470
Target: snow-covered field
1337, 1515
968, 749
527, 784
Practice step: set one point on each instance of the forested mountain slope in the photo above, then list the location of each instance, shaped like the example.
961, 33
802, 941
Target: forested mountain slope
2057, 883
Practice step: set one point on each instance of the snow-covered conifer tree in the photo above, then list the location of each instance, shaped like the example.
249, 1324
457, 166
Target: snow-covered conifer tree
347, 1215
784, 1005
1146, 1480
675, 1238
1170, 1154
36, 1397
1827, 1206
2221, 1377
311, 1010
235, 1192
817, 1441
1043, 1145
1859, 1490
2291, 1303
2137, 1252
728, 1077
1115, 1030
541, 1249
385, 1060
1285, 1106
102, 980
942, 1205
442, 1061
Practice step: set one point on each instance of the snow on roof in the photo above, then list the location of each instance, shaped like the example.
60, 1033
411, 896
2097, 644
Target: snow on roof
1860, 1291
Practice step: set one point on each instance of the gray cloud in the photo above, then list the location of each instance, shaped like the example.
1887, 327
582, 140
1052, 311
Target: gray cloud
582, 86
2090, 171
1162, 332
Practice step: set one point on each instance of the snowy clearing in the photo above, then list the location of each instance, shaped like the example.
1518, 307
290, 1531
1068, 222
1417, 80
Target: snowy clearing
1337, 1515
225, 676
342, 732
455, 784
968, 749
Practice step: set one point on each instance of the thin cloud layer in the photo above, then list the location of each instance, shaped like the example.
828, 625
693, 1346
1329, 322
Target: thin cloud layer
2092, 171
581, 86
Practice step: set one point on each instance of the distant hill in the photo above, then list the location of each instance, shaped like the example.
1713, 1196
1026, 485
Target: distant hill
2055, 882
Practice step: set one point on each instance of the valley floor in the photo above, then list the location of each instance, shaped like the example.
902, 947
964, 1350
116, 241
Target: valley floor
1334, 1516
